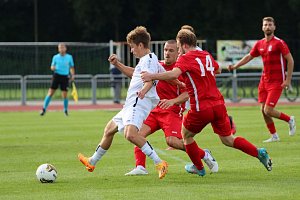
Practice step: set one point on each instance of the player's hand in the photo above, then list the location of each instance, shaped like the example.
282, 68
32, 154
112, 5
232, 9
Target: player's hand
230, 68
146, 76
286, 84
52, 68
182, 85
113, 59
141, 94
165, 103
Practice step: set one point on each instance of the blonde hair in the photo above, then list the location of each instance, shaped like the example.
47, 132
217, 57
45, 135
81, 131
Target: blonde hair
188, 27
185, 36
139, 35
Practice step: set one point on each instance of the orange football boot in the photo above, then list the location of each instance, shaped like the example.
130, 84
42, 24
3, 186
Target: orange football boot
85, 161
162, 169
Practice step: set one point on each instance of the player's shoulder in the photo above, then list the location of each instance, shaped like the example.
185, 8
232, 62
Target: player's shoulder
69, 55
261, 41
149, 58
56, 56
197, 53
279, 40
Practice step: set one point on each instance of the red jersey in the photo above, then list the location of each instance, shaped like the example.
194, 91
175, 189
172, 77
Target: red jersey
167, 91
198, 69
272, 53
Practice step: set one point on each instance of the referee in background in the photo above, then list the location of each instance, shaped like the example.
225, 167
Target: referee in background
62, 65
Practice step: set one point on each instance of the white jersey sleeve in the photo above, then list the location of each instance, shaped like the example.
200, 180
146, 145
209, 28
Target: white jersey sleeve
148, 63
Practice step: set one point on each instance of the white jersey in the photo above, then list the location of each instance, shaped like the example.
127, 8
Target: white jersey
136, 110
148, 63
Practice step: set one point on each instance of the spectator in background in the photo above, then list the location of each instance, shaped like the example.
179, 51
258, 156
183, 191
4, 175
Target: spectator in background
116, 83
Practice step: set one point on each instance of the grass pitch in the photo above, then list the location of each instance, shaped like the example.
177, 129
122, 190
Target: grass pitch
28, 140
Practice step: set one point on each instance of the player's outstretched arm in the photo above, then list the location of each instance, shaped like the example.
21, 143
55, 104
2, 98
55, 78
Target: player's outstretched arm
169, 75
128, 71
167, 103
240, 63
146, 87
290, 67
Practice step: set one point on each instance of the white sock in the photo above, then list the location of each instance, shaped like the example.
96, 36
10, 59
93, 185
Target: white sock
275, 136
149, 151
97, 155
205, 156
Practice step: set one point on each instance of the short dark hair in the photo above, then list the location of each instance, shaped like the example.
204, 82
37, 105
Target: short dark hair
139, 35
171, 41
185, 36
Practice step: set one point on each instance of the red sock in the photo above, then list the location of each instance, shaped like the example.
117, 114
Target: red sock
271, 127
245, 146
195, 154
284, 117
140, 157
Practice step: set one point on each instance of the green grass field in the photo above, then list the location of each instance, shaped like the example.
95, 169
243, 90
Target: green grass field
28, 140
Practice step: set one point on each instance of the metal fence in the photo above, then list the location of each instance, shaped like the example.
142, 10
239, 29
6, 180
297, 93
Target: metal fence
235, 87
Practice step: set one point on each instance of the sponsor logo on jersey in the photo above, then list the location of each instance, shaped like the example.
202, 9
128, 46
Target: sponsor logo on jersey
270, 48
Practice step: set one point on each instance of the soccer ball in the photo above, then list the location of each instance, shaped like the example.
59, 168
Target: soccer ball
46, 173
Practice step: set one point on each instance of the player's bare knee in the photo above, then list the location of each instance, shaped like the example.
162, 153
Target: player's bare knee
227, 141
109, 132
130, 137
171, 141
51, 92
268, 111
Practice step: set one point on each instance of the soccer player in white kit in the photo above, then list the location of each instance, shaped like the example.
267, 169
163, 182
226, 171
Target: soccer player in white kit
141, 99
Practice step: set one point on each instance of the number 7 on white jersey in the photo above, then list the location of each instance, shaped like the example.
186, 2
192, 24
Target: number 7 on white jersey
208, 65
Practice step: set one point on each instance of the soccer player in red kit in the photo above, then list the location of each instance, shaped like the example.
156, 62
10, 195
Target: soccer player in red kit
167, 115
276, 58
198, 69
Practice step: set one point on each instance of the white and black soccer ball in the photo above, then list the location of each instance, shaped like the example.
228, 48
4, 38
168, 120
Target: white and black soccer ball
46, 173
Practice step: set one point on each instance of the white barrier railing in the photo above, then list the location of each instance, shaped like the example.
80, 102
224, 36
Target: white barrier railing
98, 87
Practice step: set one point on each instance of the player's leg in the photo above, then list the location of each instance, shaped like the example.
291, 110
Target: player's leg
269, 109
110, 130
140, 157
221, 126
232, 125
193, 123
270, 125
131, 134
194, 152
51, 91
64, 85
171, 123
175, 142
134, 116
66, 101
248, 148
47, 99
262, 98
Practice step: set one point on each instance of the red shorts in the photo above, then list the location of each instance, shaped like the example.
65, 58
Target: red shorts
195, 121
169, 121
269, 93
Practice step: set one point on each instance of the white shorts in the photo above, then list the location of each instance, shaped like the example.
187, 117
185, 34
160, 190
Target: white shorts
134, 113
